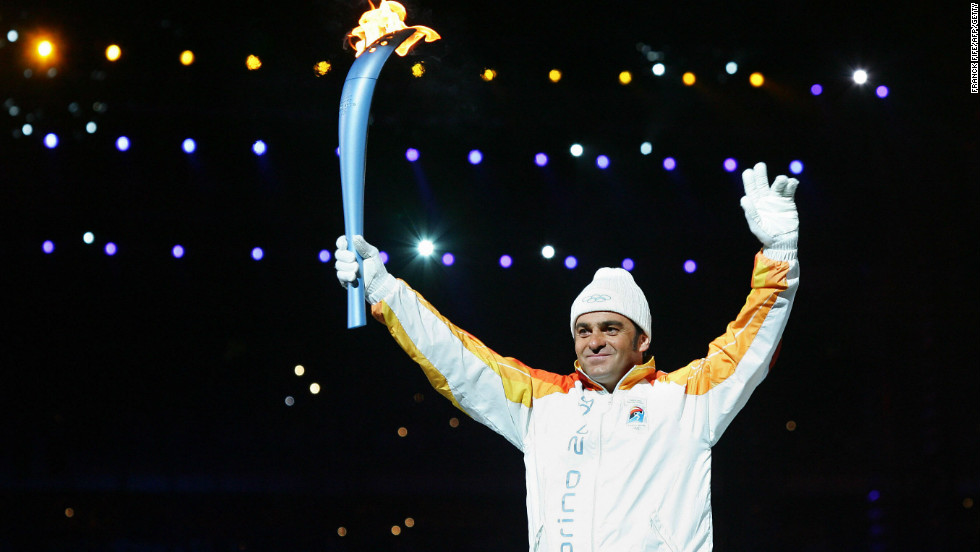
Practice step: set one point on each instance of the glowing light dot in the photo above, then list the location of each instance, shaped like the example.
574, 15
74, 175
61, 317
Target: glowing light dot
110, 249
454, 422
259, 147
322, 68
402, 431
314, 388
122, 143
689, 78
113, 52
47, 247
730, 165
12, 36
571, 262
45, 48
541, 159
324, 256
384, 257
576, 150
290, 401
690, 266
658, 69
189, 145
69, 512
874, 495
625, 77
88, 238
628, 264
731, 67
177, 251
448, 259
186, 57
547, 252
341, 531
396, 530
860, 76
796, 166
51, 140
299, 370
27, 129
426, 248
91, 127
253, 62
816, 89
412, 155
488, 75
602, 162
506, 261
409, 522
756, 79
646, 148
968, 503
670, 163
257, 253
475, 157
881, 91
791, 426
418, 70
554, 75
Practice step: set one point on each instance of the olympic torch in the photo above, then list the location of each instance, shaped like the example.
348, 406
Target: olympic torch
380, 31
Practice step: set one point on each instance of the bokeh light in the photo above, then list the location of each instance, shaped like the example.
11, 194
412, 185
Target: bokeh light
412, 155
488, 75
576, 150
756, 79
571, 262
448, 259
796, 166
860, 76
259, 147
88, 238
628, 264
177, 251
257, 253
730, 164
418, 69
51, 140
506, 261
188, 145
625, 77
122, 143
731, 67
47, 247
252, 62
426, 248
113, 52
554, 75
688, 78
881, 91
548, 252
690, 266
540, 159
475, 157
658, 69
816, 89
324, 256
602, 162
670, 163
646, 148
111, 249
186, 57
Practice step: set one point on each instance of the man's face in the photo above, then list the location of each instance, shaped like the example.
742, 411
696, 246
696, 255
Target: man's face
607, 346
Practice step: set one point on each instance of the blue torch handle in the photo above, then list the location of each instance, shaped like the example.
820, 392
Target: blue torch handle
355, 107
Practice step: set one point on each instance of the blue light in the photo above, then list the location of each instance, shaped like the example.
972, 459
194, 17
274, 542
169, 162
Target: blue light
475, 157
670, 164
602, 162
189, 146
796, 167
122, 143
448, 259
384, 257
259, 147
506, 261
178, 251
570, 262
51, 140
882, 91
47, 247
873, 496
257, 253
324, 256
110, 249
731, 165
816, 89
412, 154
628, 264
541, 160
337, 151
690, 266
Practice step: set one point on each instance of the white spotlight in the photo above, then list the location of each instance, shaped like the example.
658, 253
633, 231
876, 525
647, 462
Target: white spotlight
547, 252
576, 150
731, 68
426, 248
860, 76
659, 69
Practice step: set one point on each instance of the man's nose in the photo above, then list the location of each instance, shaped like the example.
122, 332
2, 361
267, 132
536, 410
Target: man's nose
596, 343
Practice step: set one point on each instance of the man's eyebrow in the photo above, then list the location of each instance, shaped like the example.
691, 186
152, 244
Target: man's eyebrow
603, 324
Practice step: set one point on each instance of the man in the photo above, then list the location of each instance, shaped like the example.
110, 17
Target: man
617, 454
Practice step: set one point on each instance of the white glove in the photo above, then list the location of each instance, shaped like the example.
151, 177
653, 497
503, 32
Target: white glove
378, 283
771, 212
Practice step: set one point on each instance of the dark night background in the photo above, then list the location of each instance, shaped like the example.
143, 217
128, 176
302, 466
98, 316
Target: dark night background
146, 393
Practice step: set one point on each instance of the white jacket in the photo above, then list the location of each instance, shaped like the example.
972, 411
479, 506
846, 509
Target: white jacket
607, 472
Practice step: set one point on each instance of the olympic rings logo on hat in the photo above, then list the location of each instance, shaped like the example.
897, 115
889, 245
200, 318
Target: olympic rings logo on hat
596, 298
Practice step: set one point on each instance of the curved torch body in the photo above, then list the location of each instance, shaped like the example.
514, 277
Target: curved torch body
355, 107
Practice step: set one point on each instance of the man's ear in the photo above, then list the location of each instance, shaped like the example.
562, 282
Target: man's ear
643, 343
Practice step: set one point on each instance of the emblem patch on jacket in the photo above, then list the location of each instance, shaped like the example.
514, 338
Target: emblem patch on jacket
636, 414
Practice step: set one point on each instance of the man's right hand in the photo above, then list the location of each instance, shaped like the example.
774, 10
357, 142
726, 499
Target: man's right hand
378, 283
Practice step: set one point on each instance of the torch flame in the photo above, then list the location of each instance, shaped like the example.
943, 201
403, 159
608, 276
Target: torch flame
387, 18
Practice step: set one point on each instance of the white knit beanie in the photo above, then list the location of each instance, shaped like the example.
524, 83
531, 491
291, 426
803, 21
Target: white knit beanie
613, 290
